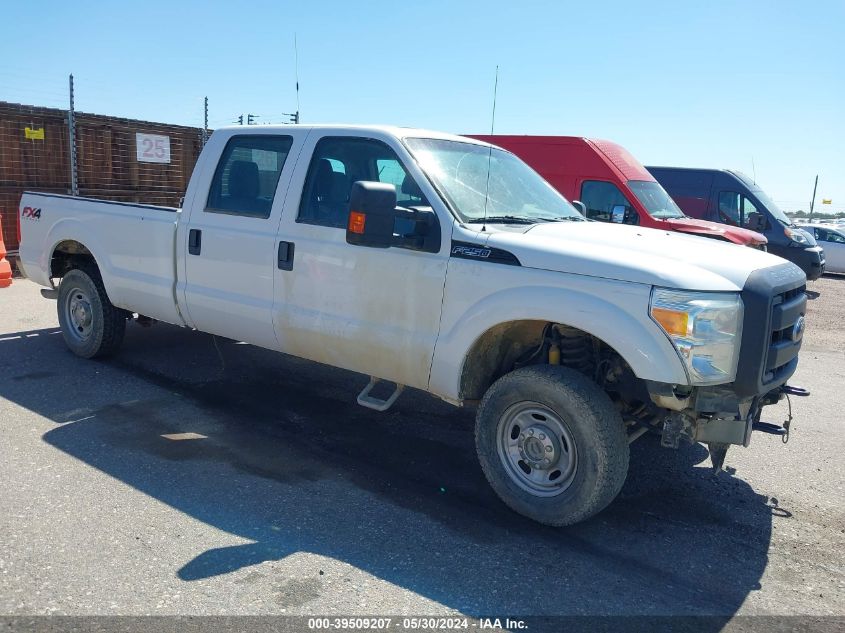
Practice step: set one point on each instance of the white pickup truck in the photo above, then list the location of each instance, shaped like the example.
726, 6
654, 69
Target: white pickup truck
445, 264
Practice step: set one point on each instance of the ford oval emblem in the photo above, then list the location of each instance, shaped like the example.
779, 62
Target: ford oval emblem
798, 329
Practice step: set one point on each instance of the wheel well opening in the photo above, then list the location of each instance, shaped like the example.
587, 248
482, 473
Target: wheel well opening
509, 346
68, 255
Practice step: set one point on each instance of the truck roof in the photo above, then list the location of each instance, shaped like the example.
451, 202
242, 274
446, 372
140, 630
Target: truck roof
392, 130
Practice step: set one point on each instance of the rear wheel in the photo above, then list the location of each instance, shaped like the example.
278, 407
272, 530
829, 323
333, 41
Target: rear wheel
91, 326
551, 444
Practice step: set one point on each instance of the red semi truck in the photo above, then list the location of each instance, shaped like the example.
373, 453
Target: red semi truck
612, 185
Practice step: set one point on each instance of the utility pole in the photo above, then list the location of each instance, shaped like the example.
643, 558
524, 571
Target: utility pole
205, 124
71, 124
813, 201
250, 119
241, 120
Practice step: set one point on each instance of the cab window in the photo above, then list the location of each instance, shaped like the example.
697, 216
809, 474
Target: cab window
390, 170
737, 210
825, 235
600, 198
340, 161
246, 177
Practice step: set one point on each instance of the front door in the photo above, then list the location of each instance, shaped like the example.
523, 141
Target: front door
370, 310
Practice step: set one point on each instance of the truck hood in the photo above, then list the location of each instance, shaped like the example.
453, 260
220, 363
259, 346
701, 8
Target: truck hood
625, 253
734, 234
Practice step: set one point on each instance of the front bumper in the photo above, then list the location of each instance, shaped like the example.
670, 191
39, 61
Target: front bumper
772, 330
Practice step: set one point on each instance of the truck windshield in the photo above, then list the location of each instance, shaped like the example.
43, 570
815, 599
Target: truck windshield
655, 199
472, 177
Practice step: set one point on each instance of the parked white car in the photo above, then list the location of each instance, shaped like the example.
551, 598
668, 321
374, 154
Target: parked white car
832, 239
446, 264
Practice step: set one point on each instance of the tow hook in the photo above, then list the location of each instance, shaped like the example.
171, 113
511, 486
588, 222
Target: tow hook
771, 429
775, 429
795, 391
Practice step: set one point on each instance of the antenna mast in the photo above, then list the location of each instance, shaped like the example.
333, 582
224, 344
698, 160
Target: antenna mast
296, 68
490, 149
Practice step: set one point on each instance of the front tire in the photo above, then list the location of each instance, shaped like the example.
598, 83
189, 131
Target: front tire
91, 326
551, 444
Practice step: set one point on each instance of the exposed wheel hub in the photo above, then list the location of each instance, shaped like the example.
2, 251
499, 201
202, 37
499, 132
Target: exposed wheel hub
537, 447
79, 314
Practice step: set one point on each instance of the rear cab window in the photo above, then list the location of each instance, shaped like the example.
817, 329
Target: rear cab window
247, 175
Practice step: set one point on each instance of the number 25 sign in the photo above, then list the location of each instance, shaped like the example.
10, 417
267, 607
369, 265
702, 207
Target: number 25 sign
152, 148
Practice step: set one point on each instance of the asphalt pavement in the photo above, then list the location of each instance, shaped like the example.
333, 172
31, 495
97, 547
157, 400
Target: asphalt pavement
193, 475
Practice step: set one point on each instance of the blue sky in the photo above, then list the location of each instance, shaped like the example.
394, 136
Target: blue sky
716, 84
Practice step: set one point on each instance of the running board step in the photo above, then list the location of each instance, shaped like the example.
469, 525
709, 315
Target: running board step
377, 404
768, 427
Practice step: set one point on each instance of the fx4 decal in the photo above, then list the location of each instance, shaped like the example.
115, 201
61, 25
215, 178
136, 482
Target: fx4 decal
31, 213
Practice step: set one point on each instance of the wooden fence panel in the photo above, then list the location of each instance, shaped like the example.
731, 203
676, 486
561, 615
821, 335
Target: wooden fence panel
107, 159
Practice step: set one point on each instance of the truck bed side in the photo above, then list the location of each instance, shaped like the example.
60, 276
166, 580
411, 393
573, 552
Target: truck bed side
133, 245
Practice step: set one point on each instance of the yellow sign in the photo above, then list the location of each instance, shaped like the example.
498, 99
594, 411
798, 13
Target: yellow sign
826, 200
33, 134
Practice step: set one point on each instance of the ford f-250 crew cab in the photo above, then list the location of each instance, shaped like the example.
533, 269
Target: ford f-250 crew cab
445, 264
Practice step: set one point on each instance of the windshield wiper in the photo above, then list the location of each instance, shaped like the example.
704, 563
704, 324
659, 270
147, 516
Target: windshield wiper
506, 219
521, 219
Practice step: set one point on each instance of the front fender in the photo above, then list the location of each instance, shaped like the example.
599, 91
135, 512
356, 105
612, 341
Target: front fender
612, 311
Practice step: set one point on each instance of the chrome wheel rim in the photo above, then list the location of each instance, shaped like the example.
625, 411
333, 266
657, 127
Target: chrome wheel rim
79, 314
537, 449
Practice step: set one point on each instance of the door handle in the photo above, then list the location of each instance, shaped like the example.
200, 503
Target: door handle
194, 241
285, 261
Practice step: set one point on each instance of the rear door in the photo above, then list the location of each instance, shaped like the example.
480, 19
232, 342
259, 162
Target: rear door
370, 310
230, 237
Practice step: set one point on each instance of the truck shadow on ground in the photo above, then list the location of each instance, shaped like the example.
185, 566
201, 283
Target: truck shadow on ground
289, 462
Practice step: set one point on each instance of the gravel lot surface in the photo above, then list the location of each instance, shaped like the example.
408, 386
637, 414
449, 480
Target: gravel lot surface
184, 477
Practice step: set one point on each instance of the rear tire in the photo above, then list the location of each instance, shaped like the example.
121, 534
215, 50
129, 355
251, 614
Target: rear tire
91, 326
551, 444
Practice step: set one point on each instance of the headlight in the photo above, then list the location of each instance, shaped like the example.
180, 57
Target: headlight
796, 235
705, 327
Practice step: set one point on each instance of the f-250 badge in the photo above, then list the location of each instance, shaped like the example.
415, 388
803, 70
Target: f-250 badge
31, 213
471, 251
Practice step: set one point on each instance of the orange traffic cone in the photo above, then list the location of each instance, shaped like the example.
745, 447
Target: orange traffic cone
5, 266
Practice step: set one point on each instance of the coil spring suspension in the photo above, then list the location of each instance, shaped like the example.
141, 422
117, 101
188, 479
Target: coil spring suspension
576, 352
